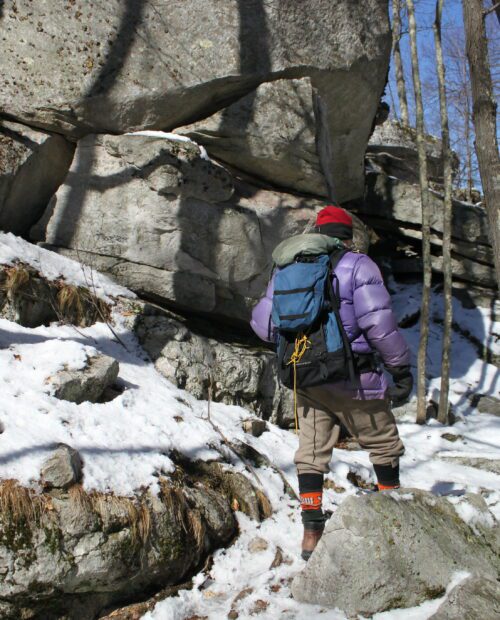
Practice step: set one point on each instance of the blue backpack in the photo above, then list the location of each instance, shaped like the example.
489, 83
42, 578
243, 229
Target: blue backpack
312, 345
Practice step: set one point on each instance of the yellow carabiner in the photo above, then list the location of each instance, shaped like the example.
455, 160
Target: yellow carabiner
301, 345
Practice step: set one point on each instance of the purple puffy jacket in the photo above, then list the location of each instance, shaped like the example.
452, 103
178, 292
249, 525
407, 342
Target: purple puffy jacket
368, 319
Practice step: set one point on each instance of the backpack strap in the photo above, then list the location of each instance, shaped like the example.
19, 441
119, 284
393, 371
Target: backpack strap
336, 256
334, 296
269, 322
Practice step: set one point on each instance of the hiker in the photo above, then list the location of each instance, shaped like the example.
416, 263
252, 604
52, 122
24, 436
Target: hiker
367, 336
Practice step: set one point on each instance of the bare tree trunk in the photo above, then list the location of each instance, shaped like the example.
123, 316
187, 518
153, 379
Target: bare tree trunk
447, 212
467, 128
468, 160
424, 197
398, 62
484, 116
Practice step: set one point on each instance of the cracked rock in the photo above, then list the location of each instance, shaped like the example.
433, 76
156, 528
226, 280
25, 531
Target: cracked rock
87, 384
62, 469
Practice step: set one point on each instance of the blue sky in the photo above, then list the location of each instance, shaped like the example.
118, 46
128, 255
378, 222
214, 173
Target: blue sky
425, 13
453, 41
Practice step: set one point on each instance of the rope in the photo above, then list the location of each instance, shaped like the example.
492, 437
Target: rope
301, 346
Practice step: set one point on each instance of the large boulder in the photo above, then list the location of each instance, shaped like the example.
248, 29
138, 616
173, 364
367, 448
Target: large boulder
272, 133
397, 549
32, 166
120, 66
164, 221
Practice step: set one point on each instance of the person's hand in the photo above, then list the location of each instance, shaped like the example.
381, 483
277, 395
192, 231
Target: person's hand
403, 384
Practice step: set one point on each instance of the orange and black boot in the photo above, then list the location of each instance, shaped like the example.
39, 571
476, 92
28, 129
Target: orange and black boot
313, 518
387, 477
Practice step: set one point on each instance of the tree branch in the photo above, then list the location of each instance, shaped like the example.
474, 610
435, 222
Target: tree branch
495, 7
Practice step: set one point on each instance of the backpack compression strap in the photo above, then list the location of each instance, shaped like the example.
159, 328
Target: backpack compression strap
335, 301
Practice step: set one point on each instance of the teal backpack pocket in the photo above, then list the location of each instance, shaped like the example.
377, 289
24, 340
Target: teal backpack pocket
299, 294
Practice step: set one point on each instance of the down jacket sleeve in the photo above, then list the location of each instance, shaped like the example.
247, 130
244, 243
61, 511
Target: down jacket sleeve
261, 315
373, 311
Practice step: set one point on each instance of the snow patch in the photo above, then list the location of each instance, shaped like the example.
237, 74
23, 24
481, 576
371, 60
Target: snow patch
401, 497
471, 514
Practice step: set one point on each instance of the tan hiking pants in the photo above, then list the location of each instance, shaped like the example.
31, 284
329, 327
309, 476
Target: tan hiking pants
371, 422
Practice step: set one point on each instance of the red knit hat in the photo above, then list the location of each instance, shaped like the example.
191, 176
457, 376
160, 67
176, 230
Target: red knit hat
334, 221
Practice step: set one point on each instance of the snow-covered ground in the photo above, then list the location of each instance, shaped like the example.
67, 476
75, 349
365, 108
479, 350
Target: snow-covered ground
125, 442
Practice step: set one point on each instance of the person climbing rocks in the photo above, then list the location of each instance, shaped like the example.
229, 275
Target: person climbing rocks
369, 337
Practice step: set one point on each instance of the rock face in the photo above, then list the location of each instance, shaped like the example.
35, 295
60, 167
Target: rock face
392, 150
131, 67
87, 384
272, 133
236, 374
181, 236
476, 597
486, 404
32, 166
399, 200
384, 541
392, 208
72, 554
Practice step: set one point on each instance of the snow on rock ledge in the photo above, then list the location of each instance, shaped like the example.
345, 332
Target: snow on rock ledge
52, 267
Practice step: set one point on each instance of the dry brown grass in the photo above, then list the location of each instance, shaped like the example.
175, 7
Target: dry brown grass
143, 522
70, 303
72, 300
266, 510
188, 518
80, 498
174, 500
136, 513
80, 305
24, 507
20, 505
196, 527
17, 277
